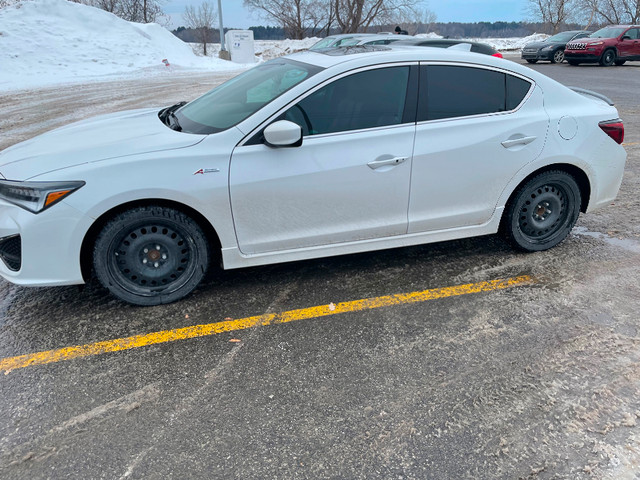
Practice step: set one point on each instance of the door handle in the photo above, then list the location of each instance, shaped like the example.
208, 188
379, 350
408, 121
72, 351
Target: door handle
518, 141
387, 162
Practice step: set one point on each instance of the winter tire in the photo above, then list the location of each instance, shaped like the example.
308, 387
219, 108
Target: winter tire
542, 211
151, 255
608, 58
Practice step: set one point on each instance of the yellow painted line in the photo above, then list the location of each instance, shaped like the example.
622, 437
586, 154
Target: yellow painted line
631, 143
136, 341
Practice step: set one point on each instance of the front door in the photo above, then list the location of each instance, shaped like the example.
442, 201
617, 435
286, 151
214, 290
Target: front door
348, 181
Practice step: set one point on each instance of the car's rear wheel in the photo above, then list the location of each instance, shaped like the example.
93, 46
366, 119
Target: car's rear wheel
542, 211
151, 255
620, 62
558, 56
608, 58
531, 60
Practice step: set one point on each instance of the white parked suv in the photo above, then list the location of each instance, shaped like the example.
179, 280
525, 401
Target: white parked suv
306, 156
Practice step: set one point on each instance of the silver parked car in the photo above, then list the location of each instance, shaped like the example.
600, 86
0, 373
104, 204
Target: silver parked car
310, 155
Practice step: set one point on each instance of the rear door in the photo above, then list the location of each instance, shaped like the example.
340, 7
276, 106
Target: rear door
476, 128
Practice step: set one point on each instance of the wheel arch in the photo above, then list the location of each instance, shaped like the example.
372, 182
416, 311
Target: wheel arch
582, 179
86, 251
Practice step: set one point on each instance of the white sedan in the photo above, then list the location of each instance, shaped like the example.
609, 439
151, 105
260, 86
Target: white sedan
310, 155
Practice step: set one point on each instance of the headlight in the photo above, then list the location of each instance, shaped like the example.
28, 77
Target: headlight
548, 47
36, 196
595, 43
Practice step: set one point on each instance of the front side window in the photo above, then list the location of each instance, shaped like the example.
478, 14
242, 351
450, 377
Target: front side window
242, 96
632, 33
373, 98
456, 91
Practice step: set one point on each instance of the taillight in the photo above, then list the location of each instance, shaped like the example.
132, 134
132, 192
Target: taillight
613, 128
497, 54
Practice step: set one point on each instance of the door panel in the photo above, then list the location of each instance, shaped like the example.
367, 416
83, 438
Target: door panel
461, 166
322, 192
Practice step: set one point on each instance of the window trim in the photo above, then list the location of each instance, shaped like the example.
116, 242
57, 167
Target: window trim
255, 136
532, 87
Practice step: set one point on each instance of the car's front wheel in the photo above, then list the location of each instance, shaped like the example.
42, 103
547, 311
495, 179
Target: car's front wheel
608, 58
542, 211
151, 255
558, 56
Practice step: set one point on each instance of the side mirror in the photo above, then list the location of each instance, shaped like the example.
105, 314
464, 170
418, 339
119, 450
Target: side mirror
283, 133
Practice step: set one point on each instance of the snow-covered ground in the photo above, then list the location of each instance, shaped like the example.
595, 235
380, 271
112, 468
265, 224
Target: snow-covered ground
52, 42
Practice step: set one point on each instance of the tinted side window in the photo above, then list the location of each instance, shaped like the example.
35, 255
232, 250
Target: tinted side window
517, 89
373, 98
452, 91
447, 92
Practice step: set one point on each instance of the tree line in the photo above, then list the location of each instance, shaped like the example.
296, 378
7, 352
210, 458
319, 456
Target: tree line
555, 14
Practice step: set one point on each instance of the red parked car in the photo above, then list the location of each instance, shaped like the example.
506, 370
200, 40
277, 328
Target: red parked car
615, 44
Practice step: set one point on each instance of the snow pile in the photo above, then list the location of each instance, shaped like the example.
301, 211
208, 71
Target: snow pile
430, 35
44, 42
507, 44
264, 49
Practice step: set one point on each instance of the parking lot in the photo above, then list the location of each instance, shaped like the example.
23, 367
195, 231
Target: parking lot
453, 360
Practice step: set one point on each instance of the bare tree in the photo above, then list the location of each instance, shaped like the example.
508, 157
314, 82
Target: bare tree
615, 12
358, 15
552, 12
201, 20
413, 20
298, 17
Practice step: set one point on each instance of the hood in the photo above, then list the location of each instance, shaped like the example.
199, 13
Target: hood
539, 44
96, 139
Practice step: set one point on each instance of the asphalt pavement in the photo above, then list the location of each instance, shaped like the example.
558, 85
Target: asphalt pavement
454, 360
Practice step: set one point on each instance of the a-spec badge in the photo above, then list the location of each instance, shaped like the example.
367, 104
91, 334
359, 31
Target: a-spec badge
202, 171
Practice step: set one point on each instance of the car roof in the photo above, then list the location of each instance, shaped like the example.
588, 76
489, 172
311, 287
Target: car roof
365, 55
450, 41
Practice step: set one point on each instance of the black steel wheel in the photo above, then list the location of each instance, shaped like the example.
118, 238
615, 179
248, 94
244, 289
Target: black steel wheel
608, 58
151, 255
558, 56
542, 211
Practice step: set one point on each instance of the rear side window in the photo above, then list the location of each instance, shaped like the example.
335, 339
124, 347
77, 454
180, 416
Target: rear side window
373, 98
455, 91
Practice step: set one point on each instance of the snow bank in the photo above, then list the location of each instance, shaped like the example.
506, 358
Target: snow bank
45, 42
507, 44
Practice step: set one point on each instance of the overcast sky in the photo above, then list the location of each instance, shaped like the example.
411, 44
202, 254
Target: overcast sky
236, 16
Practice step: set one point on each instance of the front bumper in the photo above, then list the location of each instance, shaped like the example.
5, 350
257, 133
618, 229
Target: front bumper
582, 57
537, 55
48, 248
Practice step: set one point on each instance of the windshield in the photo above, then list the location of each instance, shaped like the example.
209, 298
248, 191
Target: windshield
608, 32
334, 42
561, 37
235, 100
